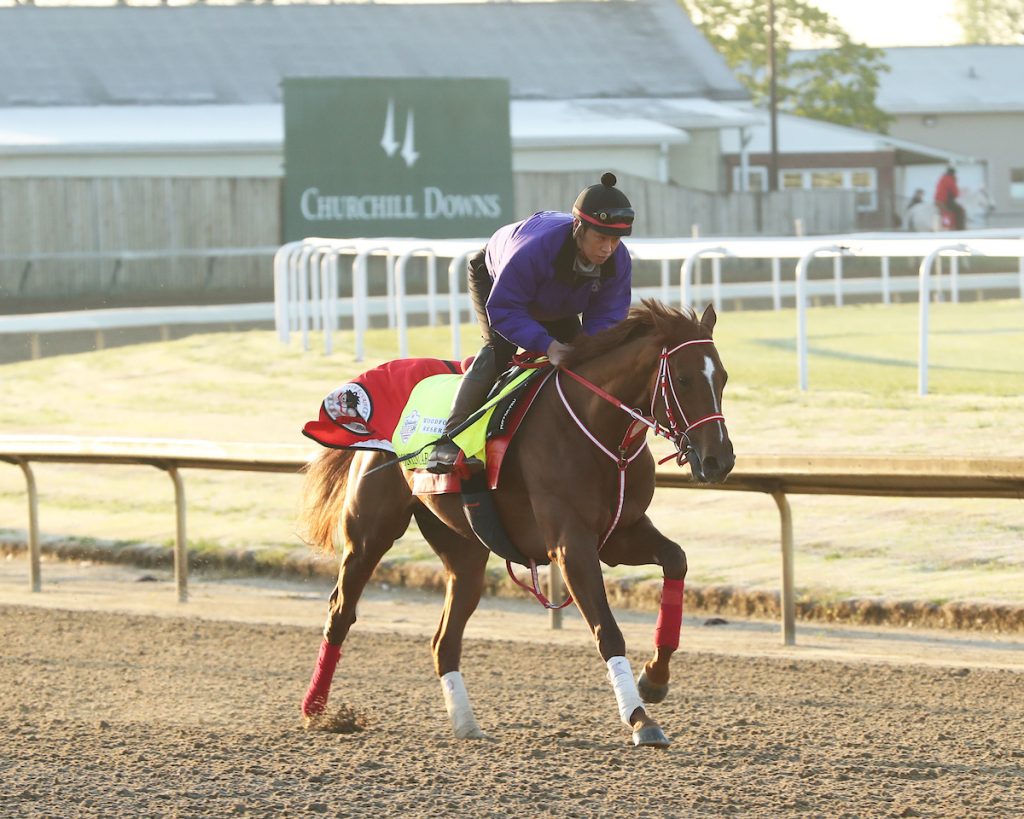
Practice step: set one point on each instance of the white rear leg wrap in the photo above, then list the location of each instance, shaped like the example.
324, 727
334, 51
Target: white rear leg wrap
456, 700
620, 675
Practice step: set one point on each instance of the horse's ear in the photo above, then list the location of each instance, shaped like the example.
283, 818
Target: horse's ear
707, 321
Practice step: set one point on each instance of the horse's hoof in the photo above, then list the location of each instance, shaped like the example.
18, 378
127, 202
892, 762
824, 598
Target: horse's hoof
650, 736
475, 732
650, 692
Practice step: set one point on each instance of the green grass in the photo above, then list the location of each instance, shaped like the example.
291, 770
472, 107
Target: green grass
862, 399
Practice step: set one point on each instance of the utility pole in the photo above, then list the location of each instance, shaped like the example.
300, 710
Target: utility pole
773, 101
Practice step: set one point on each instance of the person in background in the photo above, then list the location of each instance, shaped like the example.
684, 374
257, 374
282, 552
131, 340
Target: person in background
913, 214
946, 193
979, 207
530, 285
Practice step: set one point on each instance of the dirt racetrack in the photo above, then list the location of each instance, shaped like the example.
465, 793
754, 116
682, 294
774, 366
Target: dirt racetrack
125, 714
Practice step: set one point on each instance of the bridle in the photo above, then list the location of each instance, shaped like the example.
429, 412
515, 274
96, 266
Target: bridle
677, 430
678, 427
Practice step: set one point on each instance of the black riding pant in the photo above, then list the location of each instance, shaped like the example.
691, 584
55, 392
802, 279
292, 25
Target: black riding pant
479, 283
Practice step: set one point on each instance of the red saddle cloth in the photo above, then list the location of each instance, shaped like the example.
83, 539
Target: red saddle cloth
363, 413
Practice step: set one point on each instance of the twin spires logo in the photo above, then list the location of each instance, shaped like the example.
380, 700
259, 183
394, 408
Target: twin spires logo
398, 168
390, 144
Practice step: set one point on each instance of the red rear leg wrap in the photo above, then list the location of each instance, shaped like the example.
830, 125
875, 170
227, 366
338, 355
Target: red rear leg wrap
315, 701
670, 615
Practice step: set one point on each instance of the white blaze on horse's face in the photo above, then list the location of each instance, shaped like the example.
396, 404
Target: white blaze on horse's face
709, 374
710, 454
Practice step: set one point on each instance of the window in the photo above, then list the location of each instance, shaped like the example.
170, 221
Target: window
827, 179
757, 178
1017, 183
863, 181
792, 180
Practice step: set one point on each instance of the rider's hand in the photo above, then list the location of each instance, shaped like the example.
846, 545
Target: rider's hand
557, 351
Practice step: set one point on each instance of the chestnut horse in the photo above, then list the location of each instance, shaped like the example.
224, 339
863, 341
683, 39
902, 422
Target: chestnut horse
575, 486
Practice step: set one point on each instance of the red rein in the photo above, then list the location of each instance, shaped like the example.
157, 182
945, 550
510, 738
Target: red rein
636, 431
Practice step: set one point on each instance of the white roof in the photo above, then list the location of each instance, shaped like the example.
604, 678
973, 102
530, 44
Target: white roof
135, 128
534, 123
798, 135
970, 78
949, 79
558, 123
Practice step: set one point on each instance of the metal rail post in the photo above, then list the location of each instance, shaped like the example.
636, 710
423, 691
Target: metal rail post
180, 539
776, 284
686, 273
801, 308
923, 307
556, 591
402, 319
283, 261
788, 595
35, 575
457, 264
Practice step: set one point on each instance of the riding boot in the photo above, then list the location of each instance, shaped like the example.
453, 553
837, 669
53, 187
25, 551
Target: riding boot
472, 393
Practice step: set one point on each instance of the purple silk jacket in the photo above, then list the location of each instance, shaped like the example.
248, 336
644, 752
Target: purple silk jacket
530, 263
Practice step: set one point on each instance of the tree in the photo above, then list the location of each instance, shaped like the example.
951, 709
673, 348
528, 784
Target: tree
991, 21
838, 83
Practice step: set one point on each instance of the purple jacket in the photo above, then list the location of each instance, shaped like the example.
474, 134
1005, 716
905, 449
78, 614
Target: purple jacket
531, 263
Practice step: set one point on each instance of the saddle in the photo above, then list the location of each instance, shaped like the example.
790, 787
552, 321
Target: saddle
487, 437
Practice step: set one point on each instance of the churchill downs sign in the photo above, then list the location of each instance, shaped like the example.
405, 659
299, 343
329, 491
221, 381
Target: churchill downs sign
429, 158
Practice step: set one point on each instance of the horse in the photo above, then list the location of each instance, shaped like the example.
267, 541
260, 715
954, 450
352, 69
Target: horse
575, 486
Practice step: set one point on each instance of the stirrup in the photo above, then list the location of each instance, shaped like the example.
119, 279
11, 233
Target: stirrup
443, 457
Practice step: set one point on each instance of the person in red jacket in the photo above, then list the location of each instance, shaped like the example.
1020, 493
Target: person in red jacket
946, 193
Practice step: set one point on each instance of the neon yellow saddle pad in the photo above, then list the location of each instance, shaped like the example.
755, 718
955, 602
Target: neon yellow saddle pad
423, 419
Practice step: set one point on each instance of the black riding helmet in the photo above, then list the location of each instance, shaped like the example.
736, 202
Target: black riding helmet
605, 208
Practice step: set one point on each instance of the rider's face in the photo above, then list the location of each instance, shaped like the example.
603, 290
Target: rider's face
597, 247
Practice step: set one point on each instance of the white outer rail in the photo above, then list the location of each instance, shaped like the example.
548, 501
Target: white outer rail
295, 276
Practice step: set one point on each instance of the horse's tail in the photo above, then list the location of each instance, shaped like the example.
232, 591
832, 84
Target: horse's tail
323, 497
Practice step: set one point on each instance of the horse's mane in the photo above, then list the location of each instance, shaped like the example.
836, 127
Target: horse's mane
665, 324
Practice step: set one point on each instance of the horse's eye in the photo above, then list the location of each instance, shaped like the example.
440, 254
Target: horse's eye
684, 382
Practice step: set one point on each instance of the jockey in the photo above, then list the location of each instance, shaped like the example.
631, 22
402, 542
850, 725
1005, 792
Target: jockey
530, 285
946, 193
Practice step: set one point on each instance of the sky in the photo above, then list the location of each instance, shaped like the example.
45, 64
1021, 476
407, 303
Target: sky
896, 22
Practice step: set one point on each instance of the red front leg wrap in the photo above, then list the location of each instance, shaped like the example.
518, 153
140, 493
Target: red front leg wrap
670, 615
315, 701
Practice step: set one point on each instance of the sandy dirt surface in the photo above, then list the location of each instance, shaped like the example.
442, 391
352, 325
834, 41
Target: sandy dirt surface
117, 700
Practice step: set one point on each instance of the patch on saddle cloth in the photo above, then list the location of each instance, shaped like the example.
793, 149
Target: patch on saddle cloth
363, 413
422, 421
504, 419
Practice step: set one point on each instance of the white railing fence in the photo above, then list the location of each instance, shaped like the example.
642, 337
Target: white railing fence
307, 276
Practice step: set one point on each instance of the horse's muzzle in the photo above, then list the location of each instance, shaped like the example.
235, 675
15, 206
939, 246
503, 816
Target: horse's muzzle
714, 467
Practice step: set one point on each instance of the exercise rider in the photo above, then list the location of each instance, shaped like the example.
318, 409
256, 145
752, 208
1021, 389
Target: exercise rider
529, 287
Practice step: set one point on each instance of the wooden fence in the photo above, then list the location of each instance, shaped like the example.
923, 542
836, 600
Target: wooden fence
671, 211
41, 217
777, 476
103, 241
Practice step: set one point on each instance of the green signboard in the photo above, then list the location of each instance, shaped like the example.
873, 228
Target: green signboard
430, 158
